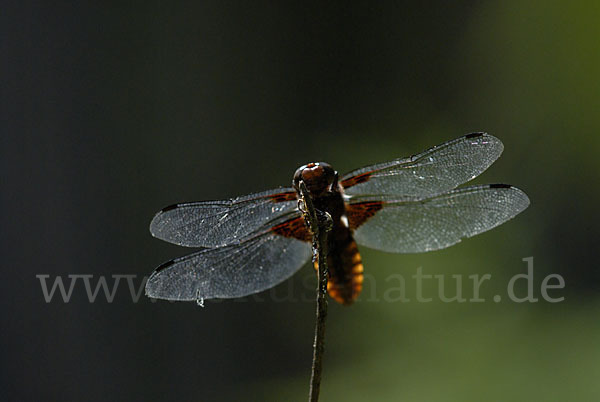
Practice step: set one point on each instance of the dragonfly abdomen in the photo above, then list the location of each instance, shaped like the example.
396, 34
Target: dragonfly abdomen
345, 267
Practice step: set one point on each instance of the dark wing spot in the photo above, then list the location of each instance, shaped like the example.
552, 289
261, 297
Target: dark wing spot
169, 208
295, 228
354, 180
499, 185
282, 197
474, 135
163, 266
359, 213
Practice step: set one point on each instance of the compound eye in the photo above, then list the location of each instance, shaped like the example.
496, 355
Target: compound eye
298, 176
318, 177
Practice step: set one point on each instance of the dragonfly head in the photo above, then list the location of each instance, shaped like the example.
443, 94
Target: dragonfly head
319, 178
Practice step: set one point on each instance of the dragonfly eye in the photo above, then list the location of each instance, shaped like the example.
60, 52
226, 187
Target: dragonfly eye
318, 177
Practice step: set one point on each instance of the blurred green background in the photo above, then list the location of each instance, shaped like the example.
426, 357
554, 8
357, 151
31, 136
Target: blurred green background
110, 113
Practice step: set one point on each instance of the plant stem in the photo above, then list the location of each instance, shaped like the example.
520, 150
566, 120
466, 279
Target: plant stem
320, 225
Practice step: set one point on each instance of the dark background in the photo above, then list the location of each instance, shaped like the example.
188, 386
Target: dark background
109, 113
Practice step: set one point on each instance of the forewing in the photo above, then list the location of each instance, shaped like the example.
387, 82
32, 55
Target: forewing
411, 225
218, 223
231, 271
434, 171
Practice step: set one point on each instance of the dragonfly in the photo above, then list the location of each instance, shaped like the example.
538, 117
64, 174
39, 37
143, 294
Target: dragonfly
408, 205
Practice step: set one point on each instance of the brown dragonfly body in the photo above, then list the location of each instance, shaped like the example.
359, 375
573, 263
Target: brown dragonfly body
343, 260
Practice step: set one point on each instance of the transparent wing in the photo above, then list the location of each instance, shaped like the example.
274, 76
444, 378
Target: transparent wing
434, 171
218, 223
231, 271
418, 225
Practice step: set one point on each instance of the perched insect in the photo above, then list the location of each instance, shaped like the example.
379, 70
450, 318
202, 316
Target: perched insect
406, 205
